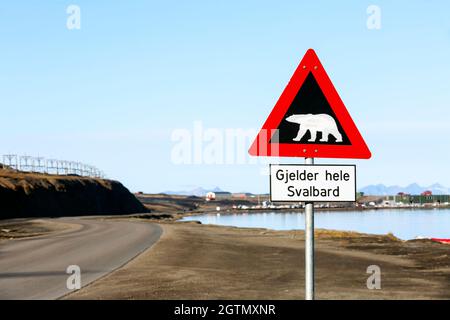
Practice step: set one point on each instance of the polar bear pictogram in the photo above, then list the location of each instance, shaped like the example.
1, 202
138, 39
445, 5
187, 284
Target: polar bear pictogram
315, 123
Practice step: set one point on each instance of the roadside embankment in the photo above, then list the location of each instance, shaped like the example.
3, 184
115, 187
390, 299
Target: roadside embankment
41, 195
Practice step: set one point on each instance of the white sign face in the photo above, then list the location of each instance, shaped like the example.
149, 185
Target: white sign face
312, 183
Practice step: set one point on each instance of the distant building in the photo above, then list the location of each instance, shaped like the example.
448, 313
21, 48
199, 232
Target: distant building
241, 195
220, 195
210, 196
426, 193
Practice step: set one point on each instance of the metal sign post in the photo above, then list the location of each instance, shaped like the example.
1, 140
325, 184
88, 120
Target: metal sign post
309, 245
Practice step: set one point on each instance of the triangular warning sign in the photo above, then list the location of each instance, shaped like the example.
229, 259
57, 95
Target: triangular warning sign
310, 120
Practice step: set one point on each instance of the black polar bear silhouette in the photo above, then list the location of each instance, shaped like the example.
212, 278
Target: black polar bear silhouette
314, 123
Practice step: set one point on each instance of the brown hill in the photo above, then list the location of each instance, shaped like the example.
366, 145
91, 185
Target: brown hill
41, 195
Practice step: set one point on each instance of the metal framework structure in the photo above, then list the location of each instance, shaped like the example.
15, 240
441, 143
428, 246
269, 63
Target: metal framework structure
38, 164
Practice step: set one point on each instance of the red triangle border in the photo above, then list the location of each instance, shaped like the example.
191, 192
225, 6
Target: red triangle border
357, 148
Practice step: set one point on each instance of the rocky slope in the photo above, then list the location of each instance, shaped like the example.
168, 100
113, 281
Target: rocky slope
41, 195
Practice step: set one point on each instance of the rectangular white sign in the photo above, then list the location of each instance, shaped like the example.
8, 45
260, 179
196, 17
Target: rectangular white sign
312, 183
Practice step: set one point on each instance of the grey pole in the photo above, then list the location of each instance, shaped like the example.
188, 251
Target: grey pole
309, 245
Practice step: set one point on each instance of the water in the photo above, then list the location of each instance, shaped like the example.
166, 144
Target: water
404, 224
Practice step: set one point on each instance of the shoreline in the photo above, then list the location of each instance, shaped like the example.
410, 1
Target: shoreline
298, 210
357, 221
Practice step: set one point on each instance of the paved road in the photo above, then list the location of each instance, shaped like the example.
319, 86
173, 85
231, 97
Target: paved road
35, 268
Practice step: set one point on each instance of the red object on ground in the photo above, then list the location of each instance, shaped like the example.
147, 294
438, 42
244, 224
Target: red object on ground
441, 240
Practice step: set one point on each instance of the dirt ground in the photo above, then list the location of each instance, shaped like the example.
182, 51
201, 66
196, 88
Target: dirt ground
25, 228
194, 261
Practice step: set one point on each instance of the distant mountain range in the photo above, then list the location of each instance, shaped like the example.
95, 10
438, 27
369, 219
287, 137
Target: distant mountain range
373, 190
413, 188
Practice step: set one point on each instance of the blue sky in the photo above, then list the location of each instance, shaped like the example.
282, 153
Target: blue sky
112, 93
